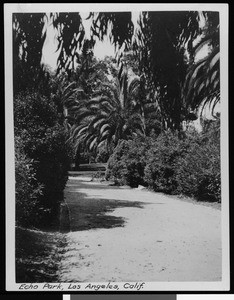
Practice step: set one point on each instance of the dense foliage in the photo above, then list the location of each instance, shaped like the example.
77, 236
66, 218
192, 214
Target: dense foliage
126, 165
42, 158
130, 109
113, 113
28, 37
28, 190
127, 111
198, 172
162, 159
167, 163
165, 45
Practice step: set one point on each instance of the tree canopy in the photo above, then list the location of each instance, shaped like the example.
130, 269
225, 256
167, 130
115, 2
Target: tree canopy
113, 113
165, 45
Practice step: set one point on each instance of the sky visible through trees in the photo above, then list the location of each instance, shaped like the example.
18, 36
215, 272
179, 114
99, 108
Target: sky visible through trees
166, 45
101, 48
108, 87
106, 48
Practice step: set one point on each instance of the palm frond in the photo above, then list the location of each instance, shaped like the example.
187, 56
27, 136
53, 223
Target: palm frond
113, 113
202, 85
103, 128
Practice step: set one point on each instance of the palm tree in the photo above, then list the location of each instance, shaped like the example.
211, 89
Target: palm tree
162, 40
115, 112
202, 84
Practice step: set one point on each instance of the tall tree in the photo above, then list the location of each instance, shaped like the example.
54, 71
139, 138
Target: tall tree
162, 42
28, 41
113, 113
202, 83
166, 48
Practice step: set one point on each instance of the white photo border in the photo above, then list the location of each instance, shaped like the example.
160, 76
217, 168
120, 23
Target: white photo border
9, 9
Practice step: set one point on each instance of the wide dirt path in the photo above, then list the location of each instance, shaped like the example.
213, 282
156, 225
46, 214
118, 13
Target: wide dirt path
123, 234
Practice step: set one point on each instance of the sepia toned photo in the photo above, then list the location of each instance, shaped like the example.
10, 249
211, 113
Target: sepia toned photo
117, 147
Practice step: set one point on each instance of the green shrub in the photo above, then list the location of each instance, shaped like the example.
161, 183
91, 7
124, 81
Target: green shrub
188, 164
27, 189
126, 165
116, 167
135, 161
102, 155
198, 173
43, 140
171, 164
161, 162
52, 165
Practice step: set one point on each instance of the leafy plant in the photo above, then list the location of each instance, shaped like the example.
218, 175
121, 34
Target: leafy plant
198, 172
102, 154
112, 114
126, 165
27, 189
202, 83
188, 165
160, 44
45, 154
161, 161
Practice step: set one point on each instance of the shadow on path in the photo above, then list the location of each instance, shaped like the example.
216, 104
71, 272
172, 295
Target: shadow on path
87, 212
77, 184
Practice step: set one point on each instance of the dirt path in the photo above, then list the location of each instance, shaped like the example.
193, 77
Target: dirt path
123, 234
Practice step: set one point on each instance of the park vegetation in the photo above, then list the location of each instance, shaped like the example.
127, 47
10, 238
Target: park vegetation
133, 112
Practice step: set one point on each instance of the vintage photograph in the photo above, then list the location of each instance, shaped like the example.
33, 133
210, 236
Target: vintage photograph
117, 144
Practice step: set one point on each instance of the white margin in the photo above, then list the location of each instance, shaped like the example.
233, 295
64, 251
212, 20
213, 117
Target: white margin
224, 285
204, 297
9, 146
